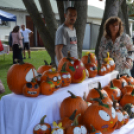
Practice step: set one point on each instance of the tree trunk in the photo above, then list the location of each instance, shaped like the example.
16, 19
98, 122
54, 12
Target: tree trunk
111, 9
60, 6
38, 22
81, 7
49, 17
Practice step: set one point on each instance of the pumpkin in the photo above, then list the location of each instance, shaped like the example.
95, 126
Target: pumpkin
110, 61
31, 89
75, 67
128, 79
119, 82
127, 89
47, 87
68, 121
53, 76
108, 67
91, 67
126, 117
102, 116
112, 90
42, 128
71, 103
57, 128
92, 56
66, 77
127, 98
94, 131
129, 108
76, 128
44, 68
18, 75
101, 69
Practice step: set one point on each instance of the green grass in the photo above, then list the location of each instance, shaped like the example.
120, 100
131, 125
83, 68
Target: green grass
37, 58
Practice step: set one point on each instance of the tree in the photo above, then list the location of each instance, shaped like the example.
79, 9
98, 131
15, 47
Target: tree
111, 9
47, 34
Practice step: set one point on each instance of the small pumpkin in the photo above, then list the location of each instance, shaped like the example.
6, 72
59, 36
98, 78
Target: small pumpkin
44, 68
91, 67
18, 75
101, 69
129, 108
53, 76
126, 117
108, 67
127, 98
66, 77
94, 131
128, 79
110, 61
57, 128
42, 127
102, 116
76, 128
31, 89
119, 82
71, 103
112, 90
47, 87
93, 58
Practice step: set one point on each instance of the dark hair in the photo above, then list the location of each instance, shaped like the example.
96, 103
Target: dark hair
112, 20
70, 8
16, 29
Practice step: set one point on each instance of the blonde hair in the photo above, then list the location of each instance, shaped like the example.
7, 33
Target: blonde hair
112, 20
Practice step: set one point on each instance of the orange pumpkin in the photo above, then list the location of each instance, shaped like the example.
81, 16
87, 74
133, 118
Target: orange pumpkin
18, 75
76, 128
108, 67
126, 117
129, 108
42, 128
75, 67
112, 90
57, 128
93, 58
102, 116
101, 69
128, 79
91, 67
68, 121
31, 89
47, 87
66, 77
94, 131
119, 82
127, 98
53, 76
44, 68
71, 103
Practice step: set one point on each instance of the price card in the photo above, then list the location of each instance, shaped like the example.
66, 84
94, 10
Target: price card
93, 85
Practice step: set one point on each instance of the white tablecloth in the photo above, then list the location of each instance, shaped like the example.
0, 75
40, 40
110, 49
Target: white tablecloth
19, 114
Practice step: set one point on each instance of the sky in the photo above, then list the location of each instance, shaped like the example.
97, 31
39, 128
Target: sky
97, 3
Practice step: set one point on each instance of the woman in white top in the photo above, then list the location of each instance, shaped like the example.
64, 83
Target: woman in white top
17, 44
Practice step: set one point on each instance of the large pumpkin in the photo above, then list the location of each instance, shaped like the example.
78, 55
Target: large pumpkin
53, 76
129, 108
75, 67
42, 127
93, 58
71, 103
91, 67
102, 116
76, 128
44, 68
18, 75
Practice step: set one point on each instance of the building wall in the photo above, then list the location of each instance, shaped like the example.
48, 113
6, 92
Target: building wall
21, 19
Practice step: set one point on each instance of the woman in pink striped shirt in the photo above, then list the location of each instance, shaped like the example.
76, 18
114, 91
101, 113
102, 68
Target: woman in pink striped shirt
17, 44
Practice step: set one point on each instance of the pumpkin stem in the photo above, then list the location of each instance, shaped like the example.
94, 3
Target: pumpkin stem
34, 79
46, 63
111, 84
114, 102
118, 76
100, 102
93, 129
129, 83
100, 86
72, 117
101, 95
42, 119
72, 95
68, 54
75, 123
64, 67
88, 58
107, 54
132, 93
127, 108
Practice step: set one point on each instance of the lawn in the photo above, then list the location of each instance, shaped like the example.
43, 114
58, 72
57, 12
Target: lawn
37, 58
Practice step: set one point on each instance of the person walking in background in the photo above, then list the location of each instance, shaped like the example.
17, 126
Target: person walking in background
26, 34
17, 44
